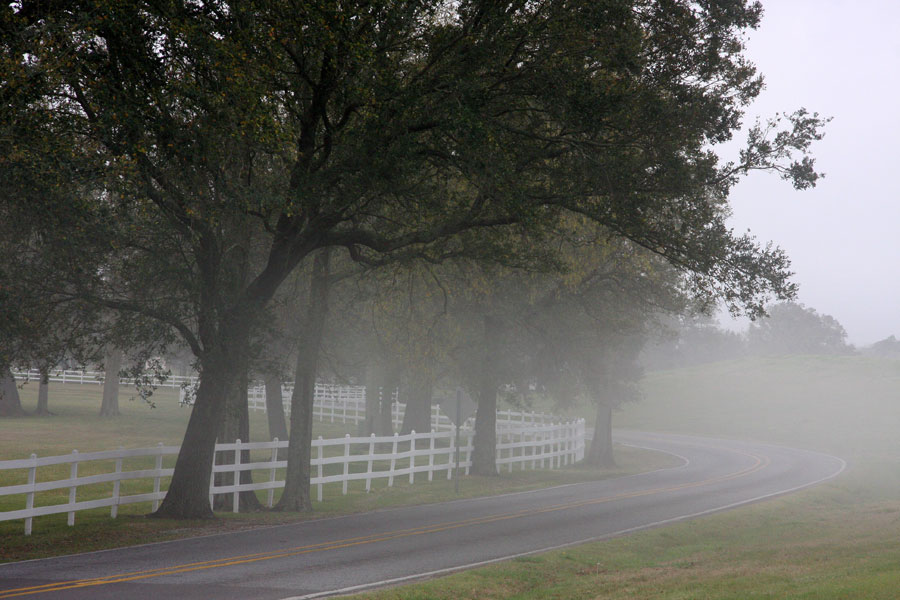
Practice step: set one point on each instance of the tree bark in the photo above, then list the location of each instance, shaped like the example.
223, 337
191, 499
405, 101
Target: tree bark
600, 453
418, 401
43, 408
390, 384
109, 407
296, 495
484, 451
188, 495
235, 426
373, 399
275, 407
10, 403
381, 381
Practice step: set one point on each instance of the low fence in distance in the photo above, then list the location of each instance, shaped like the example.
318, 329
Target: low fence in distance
337, 403
334, 403
339, 460
96, 377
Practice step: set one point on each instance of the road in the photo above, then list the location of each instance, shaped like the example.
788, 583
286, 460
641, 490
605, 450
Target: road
346, 554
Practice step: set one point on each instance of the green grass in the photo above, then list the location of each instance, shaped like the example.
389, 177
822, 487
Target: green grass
803, 546
836, 541
848, 405
76, 424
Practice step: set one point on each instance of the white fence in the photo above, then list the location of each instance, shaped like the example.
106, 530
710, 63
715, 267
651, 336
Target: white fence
339, 460
96, 377
337, 403
334, 403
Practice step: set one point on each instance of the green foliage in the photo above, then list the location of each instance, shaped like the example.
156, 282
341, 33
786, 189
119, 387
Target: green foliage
196, 154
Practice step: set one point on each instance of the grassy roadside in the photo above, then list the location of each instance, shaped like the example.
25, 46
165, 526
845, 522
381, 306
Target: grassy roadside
803, 546
75, 424
839, 540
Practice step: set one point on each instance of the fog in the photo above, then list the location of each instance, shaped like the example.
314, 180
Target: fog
840, 59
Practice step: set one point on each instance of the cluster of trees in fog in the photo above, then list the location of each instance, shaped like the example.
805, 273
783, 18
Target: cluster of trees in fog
505, 196
787, 328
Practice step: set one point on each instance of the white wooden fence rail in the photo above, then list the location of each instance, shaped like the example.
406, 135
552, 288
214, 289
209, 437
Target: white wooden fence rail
96, 377
335, 403
339, 460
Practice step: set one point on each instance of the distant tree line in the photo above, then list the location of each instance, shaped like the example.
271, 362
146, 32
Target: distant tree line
787, 328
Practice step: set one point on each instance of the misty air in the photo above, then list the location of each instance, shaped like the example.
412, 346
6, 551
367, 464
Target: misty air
449, 299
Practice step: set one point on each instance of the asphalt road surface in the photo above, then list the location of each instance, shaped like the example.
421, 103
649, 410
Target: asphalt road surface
347, 554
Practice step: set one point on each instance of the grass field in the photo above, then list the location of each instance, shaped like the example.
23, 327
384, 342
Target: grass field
75, 424
840, 540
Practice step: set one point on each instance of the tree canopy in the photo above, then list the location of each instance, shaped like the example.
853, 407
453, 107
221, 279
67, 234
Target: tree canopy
202, 151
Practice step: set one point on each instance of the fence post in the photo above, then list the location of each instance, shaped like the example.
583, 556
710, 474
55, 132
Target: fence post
557, 435
369, 467
552, 447
469, 437
571, 442
212, 482
431, 453
319, 470
274, 459
156, 476
412, 456
451, 460
114, 509
545, 446
73, 475
548, 437
523, 439
236, 478
29, 500
581, 440
393, 461
346, 462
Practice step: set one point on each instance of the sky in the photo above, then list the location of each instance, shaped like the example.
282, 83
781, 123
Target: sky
839, 58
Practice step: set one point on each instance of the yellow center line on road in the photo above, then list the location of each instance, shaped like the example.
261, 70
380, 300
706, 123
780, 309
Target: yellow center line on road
759, 464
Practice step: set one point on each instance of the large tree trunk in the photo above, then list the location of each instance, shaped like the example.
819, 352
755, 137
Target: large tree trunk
373, 399
188, 495
296, 496
43, 408
275, 407
223, 340
381, 381
601, 451
109, 407
484, 451
418, 401
390, 384
10, 403
235, 426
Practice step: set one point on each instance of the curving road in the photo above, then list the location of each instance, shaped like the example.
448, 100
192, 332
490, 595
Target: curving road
341, 555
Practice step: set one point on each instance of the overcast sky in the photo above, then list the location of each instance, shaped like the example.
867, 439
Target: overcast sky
839, 58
